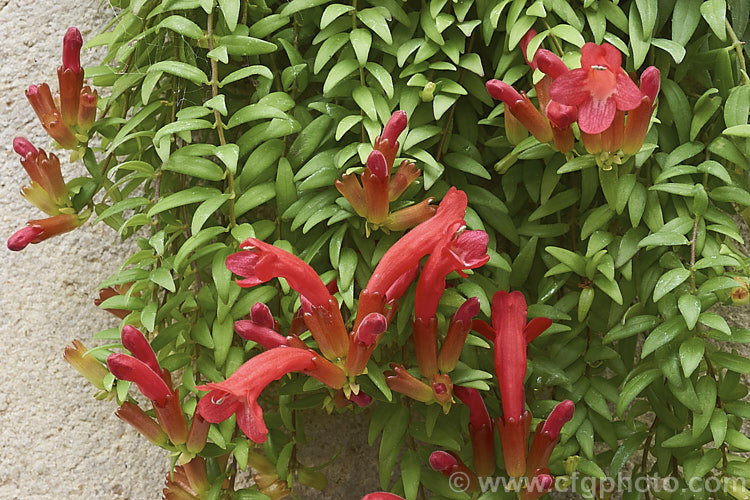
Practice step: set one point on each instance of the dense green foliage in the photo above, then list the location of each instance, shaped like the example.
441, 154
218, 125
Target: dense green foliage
233, 120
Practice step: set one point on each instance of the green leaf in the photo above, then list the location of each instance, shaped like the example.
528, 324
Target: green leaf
254, 112
299, 5
181, 25
738, 130
715, 14
382, 76
255, 196
185, 197
121, 206
195, 166
691, 354
373, 19
340, 70
364, 100
361, 40
243, 73
705, 107
730, 361
162, 277
634, 387
391, 442
230, 9
680, 108
663, 238
192, 243
205, 210
410, 474
685, 19
737, 106
609, 287
669, 281
332, 12
180, 69
690, 308
574, 261
663, 334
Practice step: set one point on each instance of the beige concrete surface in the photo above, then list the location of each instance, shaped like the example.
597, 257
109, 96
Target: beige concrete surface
56, 440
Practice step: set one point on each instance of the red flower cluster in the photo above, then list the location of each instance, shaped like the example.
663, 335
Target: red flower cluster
596, 96
380, 185
66, 117
73, 110
344, 355
511, 334
47, 192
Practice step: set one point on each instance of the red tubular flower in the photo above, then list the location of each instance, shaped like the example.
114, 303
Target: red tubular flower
480, 430
40, 99
522, 108
260, 262
402, 381
448, 464
538, 486
561, 117
381, 495
87, 108
239, 393
47, 190
408, 217
464, 250
612, 138
406, 174
598, 88
109, 292
458, 329
87, 366
639, 118
260, 328
41, 229
198, 433
509, 323
406, 253
424, 334
150, 383
387, 143
143, 369
140, 421
375, 184
187, 482
350, 189
362, 342
70, 76
546, 437
592, 143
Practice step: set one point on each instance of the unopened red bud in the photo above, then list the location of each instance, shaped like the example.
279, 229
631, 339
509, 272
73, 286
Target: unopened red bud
23, 147
560, 115
373, 325
650, 82
72, 43
502, 91
442, 460
550, 64
261, 315
362, 400
561, 414
467, 311
396, 124
377, 164
23, 237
